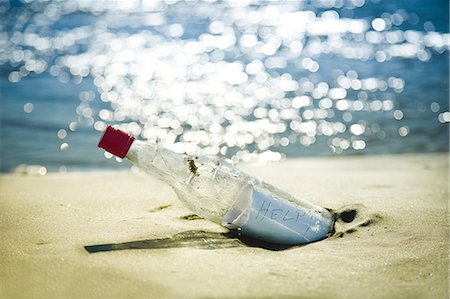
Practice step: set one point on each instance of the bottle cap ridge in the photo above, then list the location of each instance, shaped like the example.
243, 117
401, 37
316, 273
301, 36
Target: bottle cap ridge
116, 142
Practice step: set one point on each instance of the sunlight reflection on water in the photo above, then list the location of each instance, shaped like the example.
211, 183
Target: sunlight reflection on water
242, 78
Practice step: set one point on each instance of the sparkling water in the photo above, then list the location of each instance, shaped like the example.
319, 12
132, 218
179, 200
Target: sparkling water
249, 80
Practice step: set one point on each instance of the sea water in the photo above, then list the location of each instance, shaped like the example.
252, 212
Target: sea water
248, 80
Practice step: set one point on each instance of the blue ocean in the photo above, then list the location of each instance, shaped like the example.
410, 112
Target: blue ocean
248, 80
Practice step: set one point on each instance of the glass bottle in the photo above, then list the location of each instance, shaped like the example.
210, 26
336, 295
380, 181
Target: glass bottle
216, 190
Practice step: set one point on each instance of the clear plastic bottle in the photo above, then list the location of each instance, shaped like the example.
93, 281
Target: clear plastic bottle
216, 190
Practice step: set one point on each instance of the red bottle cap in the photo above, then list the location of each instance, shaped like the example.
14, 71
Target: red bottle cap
116, 142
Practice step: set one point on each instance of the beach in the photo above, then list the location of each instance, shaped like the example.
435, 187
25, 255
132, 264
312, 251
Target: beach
396, 247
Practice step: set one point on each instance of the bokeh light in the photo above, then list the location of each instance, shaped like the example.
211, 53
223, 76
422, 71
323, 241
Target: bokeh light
248, 79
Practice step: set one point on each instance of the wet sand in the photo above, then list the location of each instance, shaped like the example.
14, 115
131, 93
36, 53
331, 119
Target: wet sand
145, 244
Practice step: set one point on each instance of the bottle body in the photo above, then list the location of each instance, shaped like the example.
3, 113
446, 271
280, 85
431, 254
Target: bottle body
206, 185
216, 190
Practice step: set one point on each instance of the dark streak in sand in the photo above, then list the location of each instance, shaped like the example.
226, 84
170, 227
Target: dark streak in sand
191, 217
159, 208
350, 219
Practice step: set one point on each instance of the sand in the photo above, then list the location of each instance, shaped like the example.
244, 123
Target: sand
397, 247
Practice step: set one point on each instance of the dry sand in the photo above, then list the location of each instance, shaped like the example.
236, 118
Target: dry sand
397, 247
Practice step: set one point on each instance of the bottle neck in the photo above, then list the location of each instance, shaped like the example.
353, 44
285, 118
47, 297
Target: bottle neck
161, 163
136, 149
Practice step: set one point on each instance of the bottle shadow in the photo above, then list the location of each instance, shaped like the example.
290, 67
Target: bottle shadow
192, 239
348, 219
